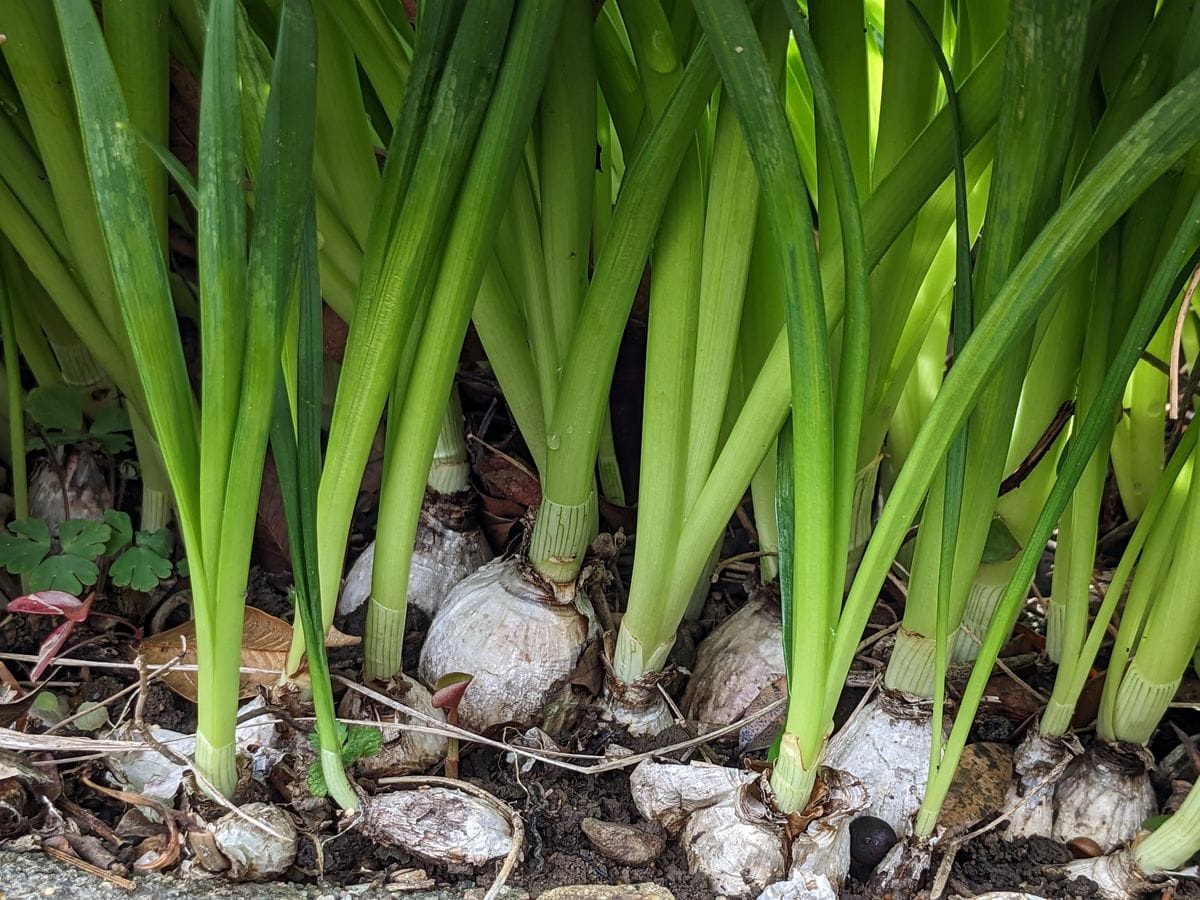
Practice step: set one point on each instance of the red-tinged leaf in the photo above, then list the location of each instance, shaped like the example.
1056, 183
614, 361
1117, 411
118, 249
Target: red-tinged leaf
53, 603
450, 690
51, 645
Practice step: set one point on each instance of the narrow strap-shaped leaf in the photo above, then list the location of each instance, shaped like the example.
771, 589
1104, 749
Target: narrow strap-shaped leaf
1168, 280
785, 515
283, 192
221, 247
297, 457
856, 336
134, 256
962, 320
1148, 149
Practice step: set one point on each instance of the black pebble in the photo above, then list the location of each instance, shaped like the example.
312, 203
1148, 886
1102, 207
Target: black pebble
870, 840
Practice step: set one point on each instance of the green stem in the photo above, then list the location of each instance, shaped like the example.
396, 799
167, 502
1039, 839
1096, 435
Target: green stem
574, 431
1175, 841
1151, 549
388, 309
670, 360
450, 472
1169, 635
478, 213
1162, 120
19, 480
567, 152
501, 330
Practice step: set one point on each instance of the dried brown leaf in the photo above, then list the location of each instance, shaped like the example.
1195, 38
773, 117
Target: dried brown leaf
265, 643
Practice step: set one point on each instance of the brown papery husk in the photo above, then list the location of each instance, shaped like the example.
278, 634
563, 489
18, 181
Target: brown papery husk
83, 481
448, 547
820, 853
638, 707
523, 645
735, 663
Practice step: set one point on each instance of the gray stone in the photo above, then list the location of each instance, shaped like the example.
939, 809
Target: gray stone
35, 876
608, 892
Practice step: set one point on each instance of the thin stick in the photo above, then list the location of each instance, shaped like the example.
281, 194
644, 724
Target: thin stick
179, 759
608, 765
150, 667
125, 691
72, 859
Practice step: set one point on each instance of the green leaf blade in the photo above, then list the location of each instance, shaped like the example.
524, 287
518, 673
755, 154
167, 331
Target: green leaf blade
85, 538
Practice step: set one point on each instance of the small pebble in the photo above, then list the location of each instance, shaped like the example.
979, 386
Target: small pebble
870, 840
623, 843
1084, 848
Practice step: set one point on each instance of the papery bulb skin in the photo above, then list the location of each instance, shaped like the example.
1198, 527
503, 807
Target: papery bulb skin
1117, 875
523, 647
824, 853
735, 663
448, 547
886, 745
667, 794
1039, 762
740, 857
1105, 795
439, 824
253, 853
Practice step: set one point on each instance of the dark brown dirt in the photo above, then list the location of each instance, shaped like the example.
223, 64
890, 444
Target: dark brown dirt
991, 863
553, 804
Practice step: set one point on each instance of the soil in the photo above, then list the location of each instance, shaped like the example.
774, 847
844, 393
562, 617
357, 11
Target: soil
990, 863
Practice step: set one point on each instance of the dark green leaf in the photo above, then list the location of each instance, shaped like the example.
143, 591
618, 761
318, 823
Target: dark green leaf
64, 573
785, 515
178, 172
182, 567
1001, 545
24, 546
316, 780
139, 568
110, 428
56, 406
84, 538
122, 531
158, 542
110, 419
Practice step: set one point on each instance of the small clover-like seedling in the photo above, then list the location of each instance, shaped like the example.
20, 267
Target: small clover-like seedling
140, 560
58, 411
74, 567
23, 545
359, 742
146, 563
